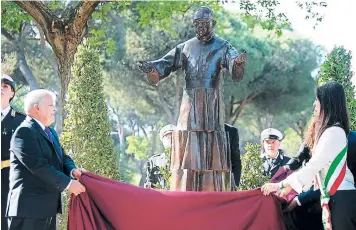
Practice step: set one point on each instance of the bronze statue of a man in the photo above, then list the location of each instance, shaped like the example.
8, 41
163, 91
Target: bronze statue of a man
200, 159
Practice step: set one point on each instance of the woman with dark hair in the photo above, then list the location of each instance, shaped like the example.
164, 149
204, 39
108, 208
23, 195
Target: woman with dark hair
327, 167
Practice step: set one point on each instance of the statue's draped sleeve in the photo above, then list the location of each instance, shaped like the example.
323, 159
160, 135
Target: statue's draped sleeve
236, 70
162, 67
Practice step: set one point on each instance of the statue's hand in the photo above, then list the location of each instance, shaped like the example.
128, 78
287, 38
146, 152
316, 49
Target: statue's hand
241, 58
145, 66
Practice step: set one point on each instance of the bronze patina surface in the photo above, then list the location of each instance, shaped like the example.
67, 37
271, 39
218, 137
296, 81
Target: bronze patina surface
200, 160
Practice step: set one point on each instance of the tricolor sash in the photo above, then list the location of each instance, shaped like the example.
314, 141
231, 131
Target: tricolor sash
329, 184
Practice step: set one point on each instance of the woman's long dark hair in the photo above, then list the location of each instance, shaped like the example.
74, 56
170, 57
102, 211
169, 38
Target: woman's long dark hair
333, 108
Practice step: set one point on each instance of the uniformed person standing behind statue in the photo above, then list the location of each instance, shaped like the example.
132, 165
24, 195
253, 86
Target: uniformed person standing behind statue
155, 163
273, 157
10, 120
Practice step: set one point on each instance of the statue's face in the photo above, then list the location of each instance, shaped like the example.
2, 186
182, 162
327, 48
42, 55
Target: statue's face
203, 27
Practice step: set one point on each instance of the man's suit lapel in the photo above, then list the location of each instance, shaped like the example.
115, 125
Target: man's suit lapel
38, 127
57, 147
55, 144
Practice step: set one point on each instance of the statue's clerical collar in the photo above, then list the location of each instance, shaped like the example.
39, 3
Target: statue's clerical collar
205, 38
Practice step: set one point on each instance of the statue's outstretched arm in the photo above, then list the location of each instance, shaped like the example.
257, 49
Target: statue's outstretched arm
160, 69
235, 63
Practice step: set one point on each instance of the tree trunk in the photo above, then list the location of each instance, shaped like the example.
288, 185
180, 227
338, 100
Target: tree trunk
141, 164
18, 44
45, 54
120, 130
26, 71
65, 73
234, 115
260, 125
63, 34
165, 107
59, 120
153, 139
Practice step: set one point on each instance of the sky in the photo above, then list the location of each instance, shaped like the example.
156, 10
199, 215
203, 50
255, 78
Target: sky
337, 27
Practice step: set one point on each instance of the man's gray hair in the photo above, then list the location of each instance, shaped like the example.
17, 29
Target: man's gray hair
35, 97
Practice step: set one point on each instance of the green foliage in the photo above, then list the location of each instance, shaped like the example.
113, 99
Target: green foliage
9, 61
265, 11
55, 5
291, 142
162, 13
278, 72
313, 10
267, 14
352, 112
127, 165
18, 102
166, 172
280, 65
272, 24
138, 146
337, 67
12, 16
167, 177
252, 171
98, 38
86, 134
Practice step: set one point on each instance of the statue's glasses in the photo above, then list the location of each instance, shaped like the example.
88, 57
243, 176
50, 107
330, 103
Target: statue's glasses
201, 22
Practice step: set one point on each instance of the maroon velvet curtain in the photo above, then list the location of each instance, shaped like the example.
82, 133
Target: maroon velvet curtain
110, 204
280, 175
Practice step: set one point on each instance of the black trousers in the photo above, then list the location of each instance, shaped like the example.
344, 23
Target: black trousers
19, 223
343, 210
305, 217
3, 211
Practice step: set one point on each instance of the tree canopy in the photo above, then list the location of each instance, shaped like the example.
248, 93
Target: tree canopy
63, 24
337, 67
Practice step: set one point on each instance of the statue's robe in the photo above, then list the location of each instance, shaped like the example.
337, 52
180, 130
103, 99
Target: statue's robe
200, 159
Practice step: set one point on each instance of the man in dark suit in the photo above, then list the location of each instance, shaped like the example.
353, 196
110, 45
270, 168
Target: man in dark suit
39, 168
233, 137
10, 120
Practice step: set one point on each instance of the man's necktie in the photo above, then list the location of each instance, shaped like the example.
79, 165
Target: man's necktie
49, 134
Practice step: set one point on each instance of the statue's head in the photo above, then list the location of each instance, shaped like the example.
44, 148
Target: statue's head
204, 23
